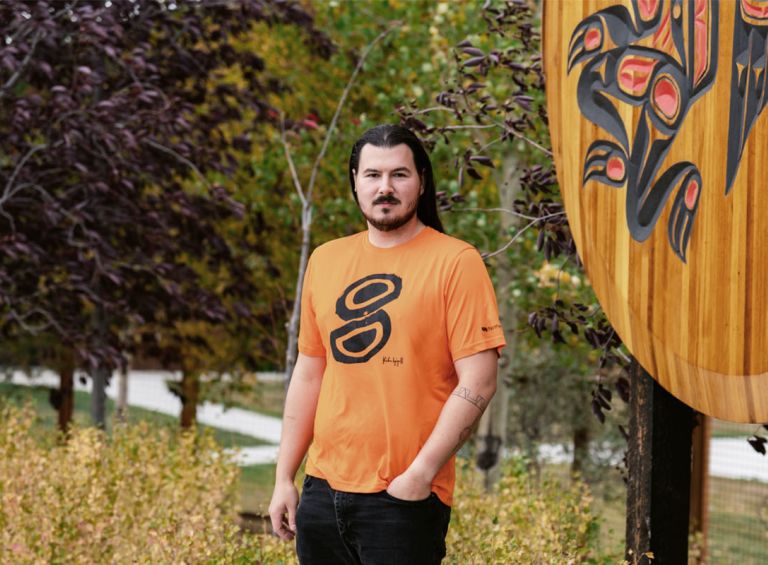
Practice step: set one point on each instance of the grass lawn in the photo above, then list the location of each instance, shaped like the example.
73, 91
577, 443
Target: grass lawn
262, 397
610, 504
47, 417
734, 429
736, 539
256, 482
738, 521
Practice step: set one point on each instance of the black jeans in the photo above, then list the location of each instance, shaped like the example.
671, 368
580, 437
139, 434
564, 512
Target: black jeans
343, 528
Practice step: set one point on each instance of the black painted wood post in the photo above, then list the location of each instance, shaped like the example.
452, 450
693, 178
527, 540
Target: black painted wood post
659, 473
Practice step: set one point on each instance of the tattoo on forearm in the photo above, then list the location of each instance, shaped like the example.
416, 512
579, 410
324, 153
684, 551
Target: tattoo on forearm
479, 401
463, 436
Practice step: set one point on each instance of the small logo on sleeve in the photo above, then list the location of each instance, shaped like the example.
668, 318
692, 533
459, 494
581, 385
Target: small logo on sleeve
490, 329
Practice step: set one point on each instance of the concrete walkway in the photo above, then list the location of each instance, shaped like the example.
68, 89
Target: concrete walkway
148, 389
731, 458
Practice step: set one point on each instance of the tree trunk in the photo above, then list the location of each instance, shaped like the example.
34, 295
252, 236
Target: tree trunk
492, 431
580, 448
490, 437
291, 350
100, 377
122, 395
581, 430
190, 389
306, 208
101, 373
66, 391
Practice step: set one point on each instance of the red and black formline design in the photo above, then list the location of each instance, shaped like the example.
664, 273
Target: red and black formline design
749, 92
674, 67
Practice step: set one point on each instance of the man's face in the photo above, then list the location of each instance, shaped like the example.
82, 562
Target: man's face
388, 186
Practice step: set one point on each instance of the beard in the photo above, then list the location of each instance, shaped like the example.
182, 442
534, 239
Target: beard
391, 221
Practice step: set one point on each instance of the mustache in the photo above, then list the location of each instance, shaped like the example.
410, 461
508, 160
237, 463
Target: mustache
386, 199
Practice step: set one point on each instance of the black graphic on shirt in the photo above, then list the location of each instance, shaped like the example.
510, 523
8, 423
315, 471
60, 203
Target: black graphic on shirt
368, 327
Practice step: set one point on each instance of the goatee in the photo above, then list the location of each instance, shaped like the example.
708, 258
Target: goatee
390, 223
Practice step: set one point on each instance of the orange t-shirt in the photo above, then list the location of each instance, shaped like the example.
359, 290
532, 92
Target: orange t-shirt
390, 322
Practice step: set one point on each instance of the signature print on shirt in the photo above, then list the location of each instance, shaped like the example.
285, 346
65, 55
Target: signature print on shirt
368, 327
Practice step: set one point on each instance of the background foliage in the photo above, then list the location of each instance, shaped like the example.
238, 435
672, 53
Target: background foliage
153, 213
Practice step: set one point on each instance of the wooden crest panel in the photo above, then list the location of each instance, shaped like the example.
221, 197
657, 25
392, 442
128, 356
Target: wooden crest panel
656, 112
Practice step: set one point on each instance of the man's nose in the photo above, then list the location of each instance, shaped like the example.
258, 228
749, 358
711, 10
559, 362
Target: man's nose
385, 184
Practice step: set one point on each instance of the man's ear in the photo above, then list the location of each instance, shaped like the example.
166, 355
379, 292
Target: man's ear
354, 174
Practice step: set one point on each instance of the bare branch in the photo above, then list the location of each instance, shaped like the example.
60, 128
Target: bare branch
11, 81
522, 137
560, 272
8, 192
504, 128
8, 217
618, 350
623, 355
433, 109
505, 211
22, 321
530, 142
340, 105
180, 157
49, 198
487, 145
306, 212
520, 233
470, 126
291, 165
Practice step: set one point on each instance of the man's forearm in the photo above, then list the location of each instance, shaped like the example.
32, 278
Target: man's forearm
298, 421
457, 420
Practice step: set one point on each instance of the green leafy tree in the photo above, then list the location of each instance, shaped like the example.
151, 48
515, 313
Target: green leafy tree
302, 117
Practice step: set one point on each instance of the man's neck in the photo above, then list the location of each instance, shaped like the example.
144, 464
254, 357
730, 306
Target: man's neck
379, 238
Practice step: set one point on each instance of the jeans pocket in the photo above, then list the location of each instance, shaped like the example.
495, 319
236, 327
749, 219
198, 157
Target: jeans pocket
400, 501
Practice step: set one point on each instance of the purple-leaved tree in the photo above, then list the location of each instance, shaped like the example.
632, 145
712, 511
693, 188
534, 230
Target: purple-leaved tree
116, 142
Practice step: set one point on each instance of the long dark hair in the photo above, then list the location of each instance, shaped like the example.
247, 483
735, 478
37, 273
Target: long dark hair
387, 135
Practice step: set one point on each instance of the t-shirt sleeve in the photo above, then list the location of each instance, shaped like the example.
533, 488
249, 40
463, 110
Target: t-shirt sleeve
310, 340
472, 314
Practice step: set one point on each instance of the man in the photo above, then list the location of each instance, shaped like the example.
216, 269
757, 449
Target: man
398, 352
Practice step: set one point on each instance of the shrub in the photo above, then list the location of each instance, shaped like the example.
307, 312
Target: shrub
151, 496
522, 521
141, 496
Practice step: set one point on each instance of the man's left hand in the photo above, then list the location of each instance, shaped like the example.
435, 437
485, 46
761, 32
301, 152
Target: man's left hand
409, 486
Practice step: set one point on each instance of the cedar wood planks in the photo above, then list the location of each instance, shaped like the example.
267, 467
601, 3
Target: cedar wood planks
700, 327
